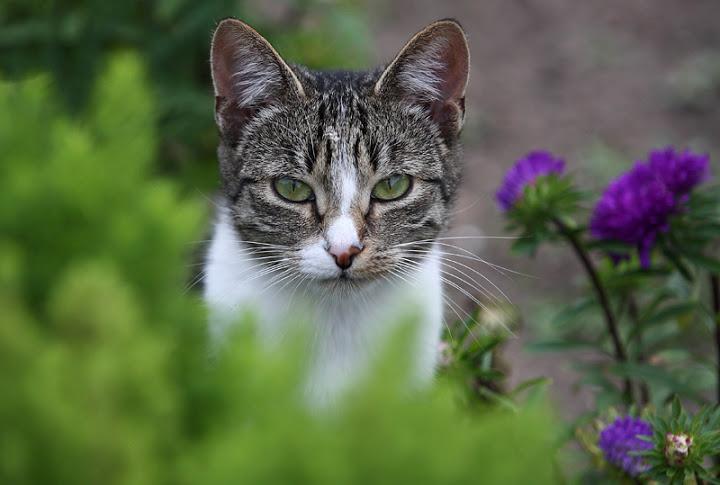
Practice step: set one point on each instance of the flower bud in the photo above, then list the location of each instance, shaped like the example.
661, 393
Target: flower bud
524, 173
677, 448
445, 354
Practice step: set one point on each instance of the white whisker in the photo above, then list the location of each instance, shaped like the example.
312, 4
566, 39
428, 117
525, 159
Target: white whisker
451, 238
241, 260
445, 298
463, 291
258, 243
277, 279
209, 199
446, 260
281, 265
195, 281
474, 257
468, 207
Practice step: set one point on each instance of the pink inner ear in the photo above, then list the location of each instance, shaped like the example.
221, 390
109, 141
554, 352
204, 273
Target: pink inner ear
247, 74
223, 58
246, 69
433, 66
448, 116
455, 74
231, 117
452, 73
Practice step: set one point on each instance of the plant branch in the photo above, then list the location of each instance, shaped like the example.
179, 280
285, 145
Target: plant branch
610, 320
715, 289
634, 315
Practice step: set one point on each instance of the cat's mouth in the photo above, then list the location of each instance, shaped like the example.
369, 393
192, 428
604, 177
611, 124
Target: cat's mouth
343, 277
346, 279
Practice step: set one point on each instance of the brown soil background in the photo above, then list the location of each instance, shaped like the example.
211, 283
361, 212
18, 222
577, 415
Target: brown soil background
598, 82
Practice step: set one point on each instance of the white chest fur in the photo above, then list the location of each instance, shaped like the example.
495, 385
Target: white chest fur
348, 328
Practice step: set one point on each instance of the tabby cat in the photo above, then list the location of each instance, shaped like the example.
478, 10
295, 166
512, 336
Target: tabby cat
334, 186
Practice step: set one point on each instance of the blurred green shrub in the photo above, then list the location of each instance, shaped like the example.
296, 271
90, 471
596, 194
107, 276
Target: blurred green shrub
104, 375
71, 40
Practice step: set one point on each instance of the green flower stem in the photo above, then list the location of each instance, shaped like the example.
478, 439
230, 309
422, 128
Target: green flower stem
634, 315
715, 289
610, 320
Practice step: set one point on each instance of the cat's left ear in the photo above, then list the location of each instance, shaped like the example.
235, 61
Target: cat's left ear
432, 70
248, 75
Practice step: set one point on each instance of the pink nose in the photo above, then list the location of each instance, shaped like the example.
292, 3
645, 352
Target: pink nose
344, 255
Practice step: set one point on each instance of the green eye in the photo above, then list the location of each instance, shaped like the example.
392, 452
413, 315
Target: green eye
293, 190
391, 188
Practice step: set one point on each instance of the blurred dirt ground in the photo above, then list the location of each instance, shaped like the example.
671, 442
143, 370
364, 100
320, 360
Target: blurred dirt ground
597, 82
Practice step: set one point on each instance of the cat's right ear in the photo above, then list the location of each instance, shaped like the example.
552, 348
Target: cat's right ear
248, 75
432, 70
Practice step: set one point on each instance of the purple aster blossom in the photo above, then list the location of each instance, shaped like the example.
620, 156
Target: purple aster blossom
525, 171
681, 172
636, 207
619, 439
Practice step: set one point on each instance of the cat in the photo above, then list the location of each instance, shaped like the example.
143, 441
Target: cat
335, 185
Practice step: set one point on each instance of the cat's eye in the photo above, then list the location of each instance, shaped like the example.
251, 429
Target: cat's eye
391, 188
293, 190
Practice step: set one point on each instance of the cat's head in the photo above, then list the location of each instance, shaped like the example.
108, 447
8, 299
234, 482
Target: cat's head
341, 175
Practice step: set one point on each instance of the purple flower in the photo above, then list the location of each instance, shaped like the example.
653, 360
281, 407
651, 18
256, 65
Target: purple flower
681, 172
636, 207
525, 172
619, 439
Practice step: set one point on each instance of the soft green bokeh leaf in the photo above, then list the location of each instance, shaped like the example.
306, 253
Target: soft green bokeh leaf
105, 371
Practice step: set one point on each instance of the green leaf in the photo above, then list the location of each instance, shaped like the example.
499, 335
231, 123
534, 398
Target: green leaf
490, 375
671, 312
526, 246
530, 384
562, 346
676, 407
595, 376
481, 344
705, 262
633, 278
658, 376
609, 246
575, 311
676, 260
498, 399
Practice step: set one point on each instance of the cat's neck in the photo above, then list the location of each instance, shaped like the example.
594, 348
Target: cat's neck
348, 323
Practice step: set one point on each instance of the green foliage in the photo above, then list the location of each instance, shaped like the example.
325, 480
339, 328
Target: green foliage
548, 199
649, 325
378, 437
660, 311
72, 40
471, 353
683, 445
78, 188
104, 372
693, 232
